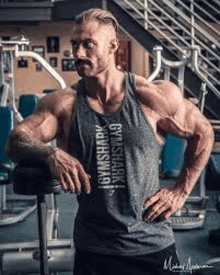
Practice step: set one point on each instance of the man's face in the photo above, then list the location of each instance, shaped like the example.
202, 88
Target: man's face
91, 47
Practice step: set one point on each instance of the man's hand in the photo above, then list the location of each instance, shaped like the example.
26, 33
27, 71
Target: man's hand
164, 203
69, 171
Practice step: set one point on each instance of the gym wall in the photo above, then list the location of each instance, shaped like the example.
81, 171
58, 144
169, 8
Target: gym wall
32, 79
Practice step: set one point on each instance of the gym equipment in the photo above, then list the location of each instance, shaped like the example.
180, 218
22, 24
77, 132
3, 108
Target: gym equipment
15, 48
213, 172
9, 50
213, 178
27, 104
214, 238
214, 234
213, 166
31, 177
174, 148
157, 53
4, 85
192, 215
173, 156
4, 94
6, 117
23, 258
212, 183
9, 214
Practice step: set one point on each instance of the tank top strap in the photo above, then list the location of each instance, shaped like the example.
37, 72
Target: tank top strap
81, 92
129, 84
131, 97
131, 89
130, 81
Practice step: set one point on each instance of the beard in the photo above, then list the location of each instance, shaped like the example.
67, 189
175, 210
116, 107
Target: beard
86, 68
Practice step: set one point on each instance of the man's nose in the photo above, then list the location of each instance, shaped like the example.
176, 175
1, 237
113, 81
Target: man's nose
79, 52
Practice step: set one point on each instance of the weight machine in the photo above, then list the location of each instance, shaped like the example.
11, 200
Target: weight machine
9, 50
8, 111
15, 48
26, 257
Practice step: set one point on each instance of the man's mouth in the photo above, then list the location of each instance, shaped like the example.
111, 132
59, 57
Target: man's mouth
82, 62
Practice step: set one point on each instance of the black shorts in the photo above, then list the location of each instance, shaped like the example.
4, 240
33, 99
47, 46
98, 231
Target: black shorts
90, 263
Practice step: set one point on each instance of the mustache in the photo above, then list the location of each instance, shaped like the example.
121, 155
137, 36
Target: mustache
80, 61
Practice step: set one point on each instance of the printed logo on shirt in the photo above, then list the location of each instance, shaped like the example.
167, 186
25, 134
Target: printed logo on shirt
110, 156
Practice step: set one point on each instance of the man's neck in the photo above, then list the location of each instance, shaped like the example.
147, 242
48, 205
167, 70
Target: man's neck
106, 85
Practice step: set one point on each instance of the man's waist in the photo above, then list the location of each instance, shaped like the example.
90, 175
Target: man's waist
137, 239
121, 226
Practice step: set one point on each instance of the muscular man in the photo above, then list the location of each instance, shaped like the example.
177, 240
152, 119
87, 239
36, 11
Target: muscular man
112, 126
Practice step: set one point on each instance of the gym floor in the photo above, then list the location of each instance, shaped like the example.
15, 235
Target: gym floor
191, 244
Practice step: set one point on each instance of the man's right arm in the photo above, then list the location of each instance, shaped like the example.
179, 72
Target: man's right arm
30, 140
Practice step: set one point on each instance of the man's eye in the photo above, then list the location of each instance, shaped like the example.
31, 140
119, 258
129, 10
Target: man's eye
88, 45
74, 44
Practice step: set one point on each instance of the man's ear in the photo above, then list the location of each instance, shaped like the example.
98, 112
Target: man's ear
114, 44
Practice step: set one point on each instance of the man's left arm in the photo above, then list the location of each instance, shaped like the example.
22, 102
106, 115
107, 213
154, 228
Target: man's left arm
187, 122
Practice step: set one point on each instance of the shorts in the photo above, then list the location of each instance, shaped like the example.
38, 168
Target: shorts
158, 263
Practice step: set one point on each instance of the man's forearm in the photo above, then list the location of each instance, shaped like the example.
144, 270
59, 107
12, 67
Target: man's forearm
21, 145
196, 156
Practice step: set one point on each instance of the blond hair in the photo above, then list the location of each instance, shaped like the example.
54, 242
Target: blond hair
102, 16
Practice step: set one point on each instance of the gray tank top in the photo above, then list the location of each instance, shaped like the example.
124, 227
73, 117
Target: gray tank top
121, 153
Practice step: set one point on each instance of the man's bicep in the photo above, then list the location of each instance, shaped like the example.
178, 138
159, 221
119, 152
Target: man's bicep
43, 123
40, 125
186, 122
52, 113
28, 135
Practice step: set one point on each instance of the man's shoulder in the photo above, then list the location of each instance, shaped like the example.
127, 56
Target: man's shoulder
69, 92
158, 86
58, 101
162, 96
60, 96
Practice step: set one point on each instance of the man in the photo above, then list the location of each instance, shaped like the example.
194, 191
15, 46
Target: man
111, 126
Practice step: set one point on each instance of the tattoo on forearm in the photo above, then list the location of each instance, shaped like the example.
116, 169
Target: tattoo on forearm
23, 146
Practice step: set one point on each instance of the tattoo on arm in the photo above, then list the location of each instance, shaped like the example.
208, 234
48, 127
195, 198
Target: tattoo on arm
22, 145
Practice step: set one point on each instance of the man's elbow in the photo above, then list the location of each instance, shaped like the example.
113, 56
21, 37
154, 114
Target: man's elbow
209, 135
212, 136
11, 143
8, 150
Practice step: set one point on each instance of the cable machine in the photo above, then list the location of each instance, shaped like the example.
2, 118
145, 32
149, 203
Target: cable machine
46, 204
14, 48
9, 114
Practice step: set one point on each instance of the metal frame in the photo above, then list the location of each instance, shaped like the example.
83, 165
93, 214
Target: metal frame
135, 15
13, 215
16, 48
59, 260
157, 55
24, 258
